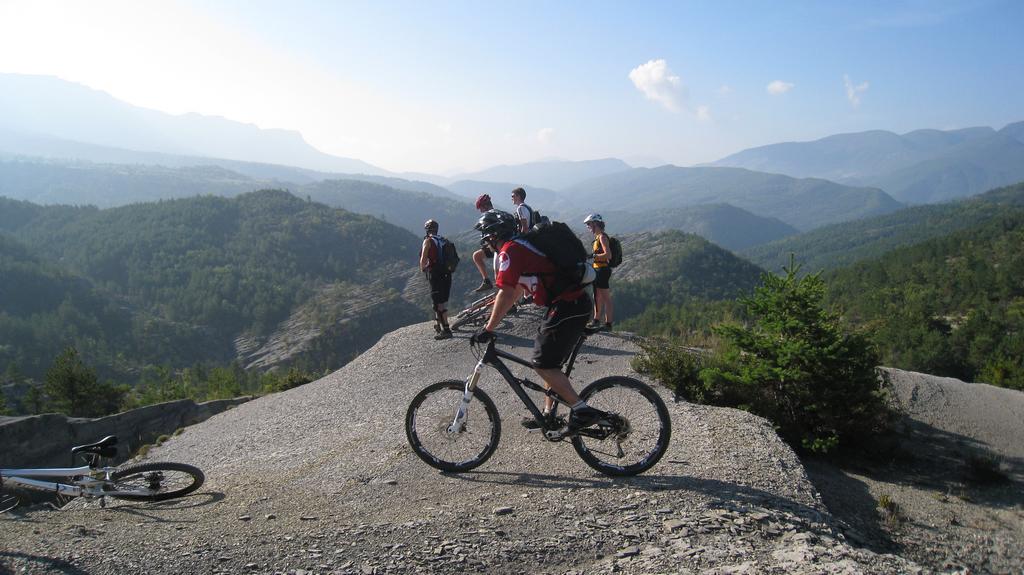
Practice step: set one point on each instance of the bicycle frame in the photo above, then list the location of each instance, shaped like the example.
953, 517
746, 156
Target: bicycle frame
89, 483
492, 357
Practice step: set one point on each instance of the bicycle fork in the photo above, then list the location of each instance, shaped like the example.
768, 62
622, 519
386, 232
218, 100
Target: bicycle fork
459, 423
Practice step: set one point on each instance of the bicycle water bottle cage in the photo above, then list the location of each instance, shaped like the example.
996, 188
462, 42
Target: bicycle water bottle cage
106, 447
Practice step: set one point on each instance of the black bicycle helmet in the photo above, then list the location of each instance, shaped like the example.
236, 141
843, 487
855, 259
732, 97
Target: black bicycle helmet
498, 225
430, 226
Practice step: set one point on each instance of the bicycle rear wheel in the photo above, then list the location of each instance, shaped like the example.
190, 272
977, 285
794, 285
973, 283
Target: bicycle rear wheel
155, 481
431, 413
634, 436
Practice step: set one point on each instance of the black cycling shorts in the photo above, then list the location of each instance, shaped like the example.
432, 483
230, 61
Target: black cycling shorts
561, 329
440, 286
604, 275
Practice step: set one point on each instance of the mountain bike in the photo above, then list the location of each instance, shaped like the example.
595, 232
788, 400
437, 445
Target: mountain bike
154, 481
454, 426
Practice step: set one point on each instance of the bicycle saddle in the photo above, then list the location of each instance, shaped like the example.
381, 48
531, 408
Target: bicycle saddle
106, 447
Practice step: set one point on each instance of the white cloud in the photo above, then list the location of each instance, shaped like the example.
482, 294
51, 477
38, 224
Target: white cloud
725, 90
778, 87
853, 93
704, 113
445, 128
658, 83
544, 135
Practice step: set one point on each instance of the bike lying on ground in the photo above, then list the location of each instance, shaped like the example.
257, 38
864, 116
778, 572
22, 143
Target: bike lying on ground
478, 311
154, 481
474, 312
628, 439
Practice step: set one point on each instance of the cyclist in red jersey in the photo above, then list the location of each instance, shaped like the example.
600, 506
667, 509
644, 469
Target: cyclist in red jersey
522, 266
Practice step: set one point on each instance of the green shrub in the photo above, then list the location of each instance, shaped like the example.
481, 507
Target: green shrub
796, 366
295, 377
793, 364
675, 365
890, 510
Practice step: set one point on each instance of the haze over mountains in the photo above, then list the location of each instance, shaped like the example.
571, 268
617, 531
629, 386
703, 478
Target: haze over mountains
42, 105
923, 166
795, 186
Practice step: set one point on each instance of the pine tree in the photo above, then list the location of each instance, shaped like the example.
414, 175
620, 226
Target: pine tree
72, 388
796, 366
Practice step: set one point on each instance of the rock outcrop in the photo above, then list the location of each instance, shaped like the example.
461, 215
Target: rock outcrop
320, 479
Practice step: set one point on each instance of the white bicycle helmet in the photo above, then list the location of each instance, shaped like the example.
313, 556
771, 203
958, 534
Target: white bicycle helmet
593, 218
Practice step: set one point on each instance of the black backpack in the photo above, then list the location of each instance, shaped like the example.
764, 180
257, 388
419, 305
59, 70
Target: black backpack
447, 255
616, 256
535, 218
556, 242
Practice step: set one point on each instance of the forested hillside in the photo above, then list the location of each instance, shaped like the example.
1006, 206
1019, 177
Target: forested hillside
45, 309
948, 306
728, 226
837, 245
199, 280
951, 304
673, 268
402, 208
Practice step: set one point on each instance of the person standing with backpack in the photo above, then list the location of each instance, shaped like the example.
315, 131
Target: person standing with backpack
524, 213
523, 265
603, 307
439, 277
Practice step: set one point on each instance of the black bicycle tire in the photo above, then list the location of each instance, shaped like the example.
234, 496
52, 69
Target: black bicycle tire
665, 434
431, 459
197, 480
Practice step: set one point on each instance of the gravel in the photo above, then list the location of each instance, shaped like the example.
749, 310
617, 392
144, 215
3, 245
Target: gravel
320, 479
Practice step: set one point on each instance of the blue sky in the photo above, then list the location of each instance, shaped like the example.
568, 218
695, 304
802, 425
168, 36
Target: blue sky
447, 86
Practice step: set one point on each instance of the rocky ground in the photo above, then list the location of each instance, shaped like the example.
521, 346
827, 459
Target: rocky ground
320, 479
951, 475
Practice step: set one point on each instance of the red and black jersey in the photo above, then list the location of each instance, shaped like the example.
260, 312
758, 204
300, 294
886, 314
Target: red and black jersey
518, 265
432, 254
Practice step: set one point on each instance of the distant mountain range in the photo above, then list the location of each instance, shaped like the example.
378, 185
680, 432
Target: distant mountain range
48, 106
553, 174
501, 193
64, 143
802, 203
112, 185
924, 166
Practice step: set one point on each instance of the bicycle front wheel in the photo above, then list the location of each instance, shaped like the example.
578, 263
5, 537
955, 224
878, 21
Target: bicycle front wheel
636, 433
8, 500
155, 481
428, 423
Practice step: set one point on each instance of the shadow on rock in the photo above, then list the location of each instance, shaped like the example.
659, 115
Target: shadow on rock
728, 494
190, 502
36, 563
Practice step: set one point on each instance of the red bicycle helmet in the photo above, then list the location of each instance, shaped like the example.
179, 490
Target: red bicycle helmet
483, 203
